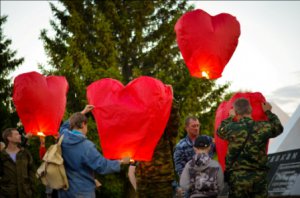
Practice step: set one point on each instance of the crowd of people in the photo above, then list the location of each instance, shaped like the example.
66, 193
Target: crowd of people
186, 169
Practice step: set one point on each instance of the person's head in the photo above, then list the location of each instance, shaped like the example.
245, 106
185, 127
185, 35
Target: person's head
202, 144
11, 136
192, 126
78, 122
242, 107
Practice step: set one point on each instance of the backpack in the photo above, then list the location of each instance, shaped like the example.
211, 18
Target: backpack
52, 172
203, 182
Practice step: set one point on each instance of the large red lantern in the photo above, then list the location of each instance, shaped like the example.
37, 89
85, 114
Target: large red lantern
222, 113
207, 42
40, 102
130, 119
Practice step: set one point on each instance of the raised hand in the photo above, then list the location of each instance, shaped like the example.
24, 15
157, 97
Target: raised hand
87, 109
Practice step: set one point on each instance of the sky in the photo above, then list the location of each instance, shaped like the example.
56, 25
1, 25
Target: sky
266, 60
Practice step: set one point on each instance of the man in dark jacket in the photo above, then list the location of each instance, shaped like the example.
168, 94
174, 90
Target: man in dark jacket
17, 174
246, 158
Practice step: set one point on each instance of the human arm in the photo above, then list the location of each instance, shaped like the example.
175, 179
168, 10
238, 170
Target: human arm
224, 128
185, 178
131, 176
87, 109
179, 159
276, 126
64, 127
97, 162
220, 180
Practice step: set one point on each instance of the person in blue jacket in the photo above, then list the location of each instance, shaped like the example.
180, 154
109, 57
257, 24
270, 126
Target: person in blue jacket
82, 159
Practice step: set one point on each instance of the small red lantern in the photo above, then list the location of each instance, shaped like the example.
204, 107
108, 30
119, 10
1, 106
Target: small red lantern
130, 119
222, 113
40, 102
207, 42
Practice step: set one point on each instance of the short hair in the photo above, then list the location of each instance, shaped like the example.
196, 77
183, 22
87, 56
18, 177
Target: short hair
7, 132
189, 118
76, 120
242, 106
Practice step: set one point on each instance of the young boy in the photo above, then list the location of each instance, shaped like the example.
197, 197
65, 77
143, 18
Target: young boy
202, 176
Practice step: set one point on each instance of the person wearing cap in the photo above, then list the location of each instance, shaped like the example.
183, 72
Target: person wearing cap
184, 149
202, 176
246, 159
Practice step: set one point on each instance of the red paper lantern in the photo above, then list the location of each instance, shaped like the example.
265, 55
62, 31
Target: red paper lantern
222, 113
130, 119
40, 102
207, 42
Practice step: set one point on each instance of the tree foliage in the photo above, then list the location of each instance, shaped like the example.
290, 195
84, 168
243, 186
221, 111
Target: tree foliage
9, 63
123, 40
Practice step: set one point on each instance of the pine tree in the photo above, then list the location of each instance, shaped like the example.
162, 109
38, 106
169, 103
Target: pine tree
8, 64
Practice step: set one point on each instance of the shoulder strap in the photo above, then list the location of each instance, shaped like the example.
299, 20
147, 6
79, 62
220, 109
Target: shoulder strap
242, 148
60, 140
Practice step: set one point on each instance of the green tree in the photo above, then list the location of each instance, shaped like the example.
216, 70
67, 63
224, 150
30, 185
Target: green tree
123, 40
8, 64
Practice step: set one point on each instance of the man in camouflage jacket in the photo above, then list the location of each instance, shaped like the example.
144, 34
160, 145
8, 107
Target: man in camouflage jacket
154, 178
248, 167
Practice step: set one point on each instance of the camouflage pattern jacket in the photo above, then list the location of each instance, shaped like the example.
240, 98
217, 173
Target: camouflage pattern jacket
254, 155
202, 176
17, 179
161, 168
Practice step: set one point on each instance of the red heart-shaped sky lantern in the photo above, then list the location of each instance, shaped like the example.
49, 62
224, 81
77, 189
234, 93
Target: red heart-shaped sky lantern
40, 102
130, 119
222, 113
207, 42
